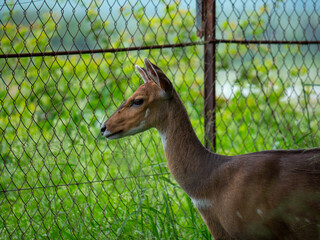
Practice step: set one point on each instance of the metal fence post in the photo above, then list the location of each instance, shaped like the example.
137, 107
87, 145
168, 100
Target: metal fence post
209, 21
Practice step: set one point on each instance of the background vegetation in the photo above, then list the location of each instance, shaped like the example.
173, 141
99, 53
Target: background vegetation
60, 179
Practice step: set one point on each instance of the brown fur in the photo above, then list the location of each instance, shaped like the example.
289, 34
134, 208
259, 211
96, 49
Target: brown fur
263, 195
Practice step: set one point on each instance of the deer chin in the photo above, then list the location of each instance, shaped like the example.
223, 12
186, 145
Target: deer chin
121, 133
107, 134
134, 130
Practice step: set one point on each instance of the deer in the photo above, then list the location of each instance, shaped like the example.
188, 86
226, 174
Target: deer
272, 194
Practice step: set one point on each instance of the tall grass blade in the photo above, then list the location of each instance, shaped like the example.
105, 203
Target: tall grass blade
169, 215
125, 222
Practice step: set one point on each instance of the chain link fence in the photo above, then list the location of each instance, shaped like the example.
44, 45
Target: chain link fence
267, 75
247, 70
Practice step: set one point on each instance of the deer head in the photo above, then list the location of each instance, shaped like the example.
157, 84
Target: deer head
142, 110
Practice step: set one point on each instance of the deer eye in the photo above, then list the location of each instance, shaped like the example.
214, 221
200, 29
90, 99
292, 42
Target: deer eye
137, 102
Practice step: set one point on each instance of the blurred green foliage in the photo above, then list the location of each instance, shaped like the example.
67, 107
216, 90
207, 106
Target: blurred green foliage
74, 184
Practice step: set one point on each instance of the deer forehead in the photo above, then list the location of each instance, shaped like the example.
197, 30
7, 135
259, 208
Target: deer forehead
149, 90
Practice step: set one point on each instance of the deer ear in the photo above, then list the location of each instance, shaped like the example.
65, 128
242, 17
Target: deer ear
157, 76
143, 74
152, 73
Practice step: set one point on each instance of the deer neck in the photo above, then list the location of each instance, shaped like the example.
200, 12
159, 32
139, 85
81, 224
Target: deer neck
187, 159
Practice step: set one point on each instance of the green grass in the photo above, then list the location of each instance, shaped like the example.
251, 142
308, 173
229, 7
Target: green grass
60, 179
115, 198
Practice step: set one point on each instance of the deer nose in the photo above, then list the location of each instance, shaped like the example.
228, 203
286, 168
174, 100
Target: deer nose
103, 128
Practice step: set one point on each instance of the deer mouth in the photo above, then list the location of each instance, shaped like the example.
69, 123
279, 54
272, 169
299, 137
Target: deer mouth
110, 135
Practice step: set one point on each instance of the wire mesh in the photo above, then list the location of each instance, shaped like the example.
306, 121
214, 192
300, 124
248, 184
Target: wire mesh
67, 65
267, 75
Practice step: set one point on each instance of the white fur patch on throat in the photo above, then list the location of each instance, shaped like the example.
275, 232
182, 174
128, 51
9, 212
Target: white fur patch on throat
201, 203
163, 136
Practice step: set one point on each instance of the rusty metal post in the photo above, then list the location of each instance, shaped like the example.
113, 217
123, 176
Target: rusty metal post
209, 22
